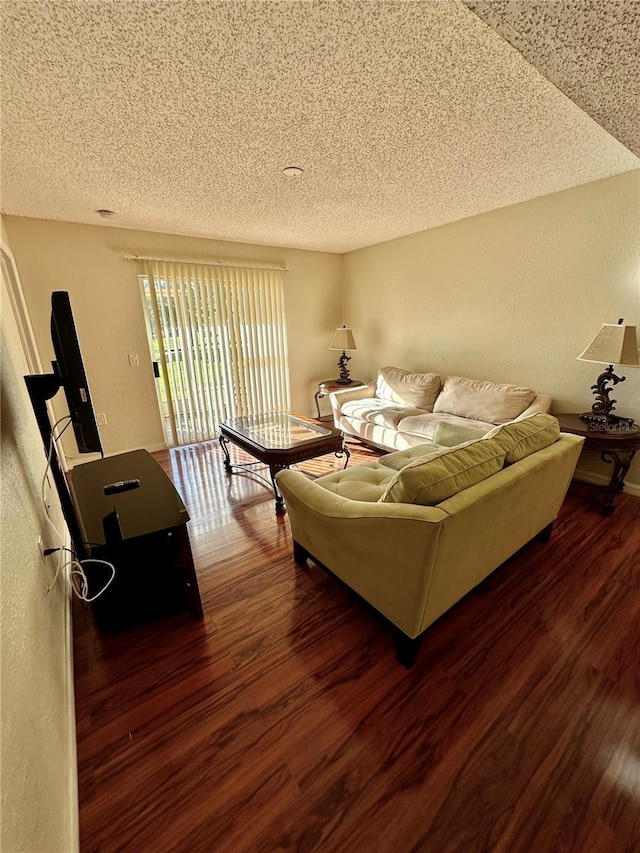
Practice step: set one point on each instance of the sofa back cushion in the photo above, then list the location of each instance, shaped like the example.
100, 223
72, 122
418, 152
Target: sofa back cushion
479, 400
411, 389
440, 475
522, 438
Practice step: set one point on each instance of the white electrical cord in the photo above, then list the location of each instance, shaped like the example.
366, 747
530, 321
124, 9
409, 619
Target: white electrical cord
52, 441
81, 586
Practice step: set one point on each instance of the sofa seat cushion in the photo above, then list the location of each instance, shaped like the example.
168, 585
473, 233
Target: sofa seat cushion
434, 478
425, 424
418, 390
522, 438
360, 483
400, 458
479, 400
450, 432
380, 412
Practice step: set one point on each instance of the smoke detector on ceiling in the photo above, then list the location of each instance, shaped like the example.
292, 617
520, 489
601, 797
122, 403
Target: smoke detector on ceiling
292, 171
106, 214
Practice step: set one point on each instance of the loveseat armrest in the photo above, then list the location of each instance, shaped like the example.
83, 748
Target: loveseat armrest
385, 552
339, 398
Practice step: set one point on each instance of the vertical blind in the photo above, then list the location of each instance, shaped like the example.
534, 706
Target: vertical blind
220, 338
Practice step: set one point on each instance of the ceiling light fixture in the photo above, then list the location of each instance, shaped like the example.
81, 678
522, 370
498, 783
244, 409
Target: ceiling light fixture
292, 171
106, 214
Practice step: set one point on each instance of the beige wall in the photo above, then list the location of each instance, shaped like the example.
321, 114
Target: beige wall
39, 796
88, 261
512, 295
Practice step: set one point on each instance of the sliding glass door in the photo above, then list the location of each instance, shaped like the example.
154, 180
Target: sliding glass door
218, 337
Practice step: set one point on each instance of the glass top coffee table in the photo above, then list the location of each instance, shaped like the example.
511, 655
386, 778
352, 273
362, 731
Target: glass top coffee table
278, 440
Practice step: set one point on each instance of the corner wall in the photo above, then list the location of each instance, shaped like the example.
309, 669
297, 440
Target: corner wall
89, 262
513, 295
38, 757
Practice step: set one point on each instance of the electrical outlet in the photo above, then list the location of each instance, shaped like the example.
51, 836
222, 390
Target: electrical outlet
133, 360
102, 419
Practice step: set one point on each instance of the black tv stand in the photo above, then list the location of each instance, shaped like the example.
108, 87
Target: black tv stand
143, 532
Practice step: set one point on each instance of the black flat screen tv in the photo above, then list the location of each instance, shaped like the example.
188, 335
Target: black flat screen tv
69, 368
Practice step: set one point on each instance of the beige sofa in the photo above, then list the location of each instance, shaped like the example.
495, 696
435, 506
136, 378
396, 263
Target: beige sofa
413, 532
403, 409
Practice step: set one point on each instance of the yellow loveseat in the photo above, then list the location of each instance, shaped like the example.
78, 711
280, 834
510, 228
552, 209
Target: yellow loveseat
414, 531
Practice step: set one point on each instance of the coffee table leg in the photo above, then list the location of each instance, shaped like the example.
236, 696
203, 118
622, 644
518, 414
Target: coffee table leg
344, 450
273, 470
227, 458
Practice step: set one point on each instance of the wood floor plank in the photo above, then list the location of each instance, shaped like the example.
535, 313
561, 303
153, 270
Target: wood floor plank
282, 722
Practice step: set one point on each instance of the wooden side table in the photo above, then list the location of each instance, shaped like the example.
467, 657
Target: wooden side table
328, 385
617, 447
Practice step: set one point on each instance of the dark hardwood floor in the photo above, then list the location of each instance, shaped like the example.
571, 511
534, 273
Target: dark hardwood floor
283, 722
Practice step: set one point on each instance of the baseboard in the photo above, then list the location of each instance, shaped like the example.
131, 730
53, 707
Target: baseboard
72, 770
72, 461
602, 480
155, 448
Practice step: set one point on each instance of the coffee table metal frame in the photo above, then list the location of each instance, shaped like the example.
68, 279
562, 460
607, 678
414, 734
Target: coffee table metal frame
234, 431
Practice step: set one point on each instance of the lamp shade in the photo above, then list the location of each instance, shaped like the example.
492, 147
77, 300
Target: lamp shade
343, 339
614, 344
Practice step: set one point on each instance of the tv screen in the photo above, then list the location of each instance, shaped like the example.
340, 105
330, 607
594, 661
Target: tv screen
69, 367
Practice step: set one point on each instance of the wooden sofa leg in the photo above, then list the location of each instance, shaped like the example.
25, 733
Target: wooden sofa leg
545, 533
407, 649
300, 555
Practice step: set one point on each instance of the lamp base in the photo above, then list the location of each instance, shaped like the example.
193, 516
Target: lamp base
344, 370
343, 381
602, 422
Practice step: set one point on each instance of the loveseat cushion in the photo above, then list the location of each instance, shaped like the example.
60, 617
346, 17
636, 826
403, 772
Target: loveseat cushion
434, 478
410, 389
399, 458
366, 482
522, 438
483, 401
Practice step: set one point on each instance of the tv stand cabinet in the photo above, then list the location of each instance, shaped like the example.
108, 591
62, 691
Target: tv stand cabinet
143, 533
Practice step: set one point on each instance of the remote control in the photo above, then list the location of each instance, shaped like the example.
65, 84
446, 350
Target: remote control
121, 486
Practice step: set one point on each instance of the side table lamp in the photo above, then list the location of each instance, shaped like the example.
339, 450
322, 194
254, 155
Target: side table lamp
343, 340
614, 344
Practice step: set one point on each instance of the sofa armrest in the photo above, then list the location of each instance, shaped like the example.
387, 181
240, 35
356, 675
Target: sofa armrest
541, 403
360, 392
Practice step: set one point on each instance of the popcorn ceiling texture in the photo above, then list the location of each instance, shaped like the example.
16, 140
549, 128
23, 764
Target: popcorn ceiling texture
590, 49
181, 117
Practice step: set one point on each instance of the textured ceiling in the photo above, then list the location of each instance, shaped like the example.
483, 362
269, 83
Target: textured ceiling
590, 49
180, 116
